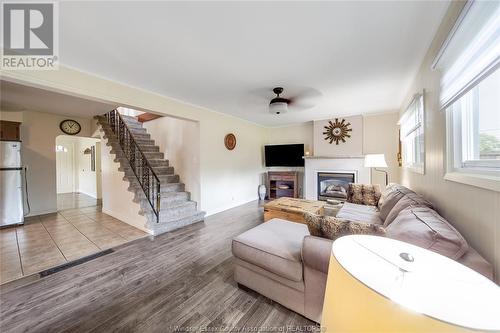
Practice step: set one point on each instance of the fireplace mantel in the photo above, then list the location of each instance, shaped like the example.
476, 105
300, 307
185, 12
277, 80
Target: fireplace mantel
315, 164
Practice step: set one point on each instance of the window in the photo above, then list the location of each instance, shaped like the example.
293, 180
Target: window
412, 135
61, 149
469, 63
475, 128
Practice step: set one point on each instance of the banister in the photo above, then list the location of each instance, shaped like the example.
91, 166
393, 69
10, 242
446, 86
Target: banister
138, 161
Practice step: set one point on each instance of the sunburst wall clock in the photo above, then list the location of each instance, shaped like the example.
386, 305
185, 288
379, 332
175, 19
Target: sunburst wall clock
337, 131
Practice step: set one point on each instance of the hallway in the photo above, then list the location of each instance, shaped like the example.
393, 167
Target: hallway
75, 200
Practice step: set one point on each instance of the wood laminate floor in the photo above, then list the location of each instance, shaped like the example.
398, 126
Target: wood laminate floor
178, 281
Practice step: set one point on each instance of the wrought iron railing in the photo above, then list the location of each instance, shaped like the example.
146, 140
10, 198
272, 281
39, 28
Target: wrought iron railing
139, 164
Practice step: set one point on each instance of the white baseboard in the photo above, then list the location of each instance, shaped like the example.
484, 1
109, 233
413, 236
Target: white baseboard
231, 205
93, 195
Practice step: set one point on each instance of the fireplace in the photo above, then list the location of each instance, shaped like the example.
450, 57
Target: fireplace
334, 185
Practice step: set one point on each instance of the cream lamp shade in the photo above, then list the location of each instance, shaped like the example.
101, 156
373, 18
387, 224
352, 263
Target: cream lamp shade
378, 284
375, 161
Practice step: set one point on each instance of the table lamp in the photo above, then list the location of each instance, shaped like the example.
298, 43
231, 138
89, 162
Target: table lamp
377, 161
378, 284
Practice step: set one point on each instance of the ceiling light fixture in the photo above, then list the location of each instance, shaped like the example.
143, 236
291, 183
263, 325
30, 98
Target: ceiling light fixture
278, 104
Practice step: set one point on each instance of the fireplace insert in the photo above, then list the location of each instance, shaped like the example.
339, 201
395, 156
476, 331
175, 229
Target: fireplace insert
334, 185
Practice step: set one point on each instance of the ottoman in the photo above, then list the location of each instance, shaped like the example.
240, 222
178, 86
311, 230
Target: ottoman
269, 261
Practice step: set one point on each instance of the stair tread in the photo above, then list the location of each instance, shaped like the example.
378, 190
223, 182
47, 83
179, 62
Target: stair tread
178, 208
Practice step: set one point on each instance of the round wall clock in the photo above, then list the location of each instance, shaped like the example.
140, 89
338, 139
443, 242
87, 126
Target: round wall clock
230, 141
337, 131
70, 127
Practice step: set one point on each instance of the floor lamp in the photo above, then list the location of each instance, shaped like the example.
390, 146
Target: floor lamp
377, 161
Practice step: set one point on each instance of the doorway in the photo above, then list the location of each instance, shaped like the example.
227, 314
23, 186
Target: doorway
78, 171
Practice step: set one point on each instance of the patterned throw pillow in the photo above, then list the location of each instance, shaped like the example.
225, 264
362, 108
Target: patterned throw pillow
333, 228
363, 194
313, 224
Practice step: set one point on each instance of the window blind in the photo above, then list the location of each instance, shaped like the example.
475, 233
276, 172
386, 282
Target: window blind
471, 50
413, 116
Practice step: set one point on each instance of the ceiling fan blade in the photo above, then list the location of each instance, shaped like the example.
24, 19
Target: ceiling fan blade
304, 99
301, 105
307, 93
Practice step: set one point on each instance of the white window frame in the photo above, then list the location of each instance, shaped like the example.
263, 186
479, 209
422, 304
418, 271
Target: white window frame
417, 102
480, 173
469, 54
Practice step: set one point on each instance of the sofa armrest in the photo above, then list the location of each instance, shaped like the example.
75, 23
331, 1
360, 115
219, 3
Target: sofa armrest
475, 261
316, 253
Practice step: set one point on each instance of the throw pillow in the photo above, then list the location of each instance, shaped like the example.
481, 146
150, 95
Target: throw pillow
333, 228
364, 194
313, 224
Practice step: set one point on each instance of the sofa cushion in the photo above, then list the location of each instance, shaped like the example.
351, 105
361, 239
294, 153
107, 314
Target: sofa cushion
424, 227
360, 213
408, 200
384, 194
274, 245
363, 194
392, 194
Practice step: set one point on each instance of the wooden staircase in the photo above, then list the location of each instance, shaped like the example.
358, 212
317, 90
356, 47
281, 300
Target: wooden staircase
156, 187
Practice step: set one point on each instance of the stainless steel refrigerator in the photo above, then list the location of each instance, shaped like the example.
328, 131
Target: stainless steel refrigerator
11, 185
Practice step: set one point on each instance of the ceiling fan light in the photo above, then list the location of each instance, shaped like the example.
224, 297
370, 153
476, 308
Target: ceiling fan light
278, 107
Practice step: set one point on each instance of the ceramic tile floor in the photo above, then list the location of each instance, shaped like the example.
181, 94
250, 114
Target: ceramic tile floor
51, 240
74, 200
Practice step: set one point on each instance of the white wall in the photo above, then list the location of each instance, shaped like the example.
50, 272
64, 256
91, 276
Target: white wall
474, 211
353, 145
87, 179
227, 178
38, 134
377, 135
381, 136
117, 201
11, 115
179, 140
301, 133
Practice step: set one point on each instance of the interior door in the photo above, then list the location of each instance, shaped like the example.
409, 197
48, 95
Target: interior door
65, 167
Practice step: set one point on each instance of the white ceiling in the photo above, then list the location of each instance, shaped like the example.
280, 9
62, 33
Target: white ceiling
17, 97
361, 56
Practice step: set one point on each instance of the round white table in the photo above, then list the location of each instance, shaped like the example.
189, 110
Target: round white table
377, 284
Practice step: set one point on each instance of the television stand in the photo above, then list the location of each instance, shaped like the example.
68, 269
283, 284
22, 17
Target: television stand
282, 184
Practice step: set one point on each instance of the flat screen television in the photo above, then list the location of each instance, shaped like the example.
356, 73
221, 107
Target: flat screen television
284, 155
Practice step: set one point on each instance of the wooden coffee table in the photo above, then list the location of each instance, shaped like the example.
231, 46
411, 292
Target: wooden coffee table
292, 209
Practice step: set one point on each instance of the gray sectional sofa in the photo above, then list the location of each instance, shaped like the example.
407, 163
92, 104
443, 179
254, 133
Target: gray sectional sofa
280, 260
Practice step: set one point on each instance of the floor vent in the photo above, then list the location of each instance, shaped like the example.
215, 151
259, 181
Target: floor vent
75, 263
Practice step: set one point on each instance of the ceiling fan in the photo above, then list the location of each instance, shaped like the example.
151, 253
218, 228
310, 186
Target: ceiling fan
305, 99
